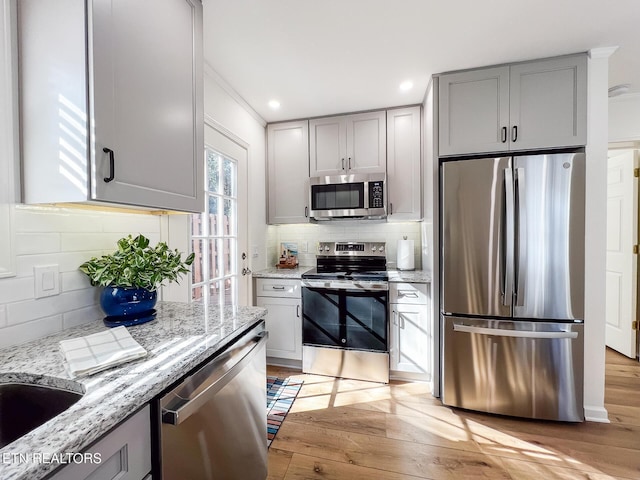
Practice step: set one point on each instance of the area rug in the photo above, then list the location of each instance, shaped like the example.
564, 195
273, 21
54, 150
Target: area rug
281, 392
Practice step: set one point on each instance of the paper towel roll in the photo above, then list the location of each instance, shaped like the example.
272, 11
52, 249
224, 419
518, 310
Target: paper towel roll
405, 255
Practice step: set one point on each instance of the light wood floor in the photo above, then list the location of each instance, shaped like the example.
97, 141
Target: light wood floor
345, 429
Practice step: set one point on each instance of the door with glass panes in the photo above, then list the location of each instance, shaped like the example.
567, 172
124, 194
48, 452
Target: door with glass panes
219, 234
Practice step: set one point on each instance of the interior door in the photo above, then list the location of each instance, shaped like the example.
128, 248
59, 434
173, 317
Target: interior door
474, 253
622, 235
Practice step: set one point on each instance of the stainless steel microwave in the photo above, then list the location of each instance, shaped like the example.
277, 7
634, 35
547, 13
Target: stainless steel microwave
356, 196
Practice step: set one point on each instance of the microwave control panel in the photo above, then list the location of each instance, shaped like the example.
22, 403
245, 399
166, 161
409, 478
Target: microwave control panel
376, 196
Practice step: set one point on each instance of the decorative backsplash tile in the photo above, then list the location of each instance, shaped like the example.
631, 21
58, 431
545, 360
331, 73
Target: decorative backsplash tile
65, 237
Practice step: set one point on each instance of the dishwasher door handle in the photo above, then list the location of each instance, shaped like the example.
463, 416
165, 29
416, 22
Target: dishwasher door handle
183, 406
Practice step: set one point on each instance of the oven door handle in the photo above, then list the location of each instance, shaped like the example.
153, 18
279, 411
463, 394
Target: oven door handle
346, 285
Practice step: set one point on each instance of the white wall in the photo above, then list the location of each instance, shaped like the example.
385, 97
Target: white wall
595, 235
223, 105
311, 234
64, 237
624, 118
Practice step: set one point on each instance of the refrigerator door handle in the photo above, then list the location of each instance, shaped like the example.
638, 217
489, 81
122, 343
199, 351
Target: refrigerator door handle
507, 249
498, 332
520, 236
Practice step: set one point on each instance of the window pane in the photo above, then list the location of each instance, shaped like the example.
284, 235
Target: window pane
229, 170
213, 171
214, 229
229, 227
228, 256
197, 273
197, 224
214, 251
229, 291
214, 293
196, 294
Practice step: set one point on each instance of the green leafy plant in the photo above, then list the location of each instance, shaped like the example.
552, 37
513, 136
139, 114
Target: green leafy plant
137, 265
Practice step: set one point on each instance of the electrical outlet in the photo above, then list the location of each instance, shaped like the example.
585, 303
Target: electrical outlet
46, 280
254, 251
304, 247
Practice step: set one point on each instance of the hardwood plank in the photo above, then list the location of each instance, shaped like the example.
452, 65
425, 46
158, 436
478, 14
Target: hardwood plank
278, 463
350, 429
386, 454
304, 467
523, 470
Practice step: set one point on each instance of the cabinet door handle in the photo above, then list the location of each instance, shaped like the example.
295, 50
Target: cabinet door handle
306, 212
112, 165
514, 133
343, 164
504, 135
391, 209
298, 311
395, 317
349, 163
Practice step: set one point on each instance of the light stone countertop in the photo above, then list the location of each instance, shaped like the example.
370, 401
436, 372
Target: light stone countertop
273, 272
178, 340
409, 276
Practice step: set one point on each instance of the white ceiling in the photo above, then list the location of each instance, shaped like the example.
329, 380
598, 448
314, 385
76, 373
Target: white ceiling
320, 57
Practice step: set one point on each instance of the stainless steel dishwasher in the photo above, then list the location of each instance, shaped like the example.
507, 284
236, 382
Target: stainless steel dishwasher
214, 424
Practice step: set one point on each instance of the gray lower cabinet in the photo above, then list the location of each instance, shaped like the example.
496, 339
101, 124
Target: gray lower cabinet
525, 106
281, 298
123, 454
410, 331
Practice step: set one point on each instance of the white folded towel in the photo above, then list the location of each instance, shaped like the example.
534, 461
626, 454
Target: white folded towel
99, 351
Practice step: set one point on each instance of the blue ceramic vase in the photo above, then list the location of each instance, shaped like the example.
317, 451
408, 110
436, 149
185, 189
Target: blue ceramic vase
127, 306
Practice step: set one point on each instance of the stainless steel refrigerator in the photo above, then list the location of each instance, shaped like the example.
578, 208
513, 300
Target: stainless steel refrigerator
512, 284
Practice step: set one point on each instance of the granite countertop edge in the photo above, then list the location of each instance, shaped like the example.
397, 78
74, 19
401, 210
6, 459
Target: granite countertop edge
395, 276
177, 341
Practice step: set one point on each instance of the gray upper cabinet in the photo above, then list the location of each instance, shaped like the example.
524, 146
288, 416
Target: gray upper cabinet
288, 172
112, 102
525, 106
404, 164
348, 144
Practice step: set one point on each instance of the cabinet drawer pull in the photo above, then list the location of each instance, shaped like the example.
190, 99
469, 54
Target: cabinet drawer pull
407, 294
504, 135
343, 164
298, 311
276, 287
306, 212
349, 164
395, 317
112, 165
514, 135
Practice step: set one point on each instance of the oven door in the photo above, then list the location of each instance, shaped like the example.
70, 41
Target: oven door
345, 318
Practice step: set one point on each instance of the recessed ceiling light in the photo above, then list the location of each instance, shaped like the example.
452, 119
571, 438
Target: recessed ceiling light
406, 85
274, 104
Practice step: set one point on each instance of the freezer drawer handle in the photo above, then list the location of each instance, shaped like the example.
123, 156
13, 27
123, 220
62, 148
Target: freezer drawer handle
188, 406
498, 332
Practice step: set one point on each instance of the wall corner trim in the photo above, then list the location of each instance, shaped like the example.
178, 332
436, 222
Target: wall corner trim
596, 414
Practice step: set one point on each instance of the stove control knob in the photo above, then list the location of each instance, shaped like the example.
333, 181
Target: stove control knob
320, 248
373, 248
326, 248
381, 249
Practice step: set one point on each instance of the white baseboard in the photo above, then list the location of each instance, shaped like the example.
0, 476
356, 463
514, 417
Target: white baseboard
596, 414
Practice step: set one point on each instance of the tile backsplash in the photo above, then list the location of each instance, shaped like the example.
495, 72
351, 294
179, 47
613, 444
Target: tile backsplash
307, 237
65, 237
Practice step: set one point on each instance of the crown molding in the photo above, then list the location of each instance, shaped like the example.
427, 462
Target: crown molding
222, 83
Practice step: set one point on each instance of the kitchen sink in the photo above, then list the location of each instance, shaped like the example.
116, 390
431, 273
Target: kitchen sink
24, 407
